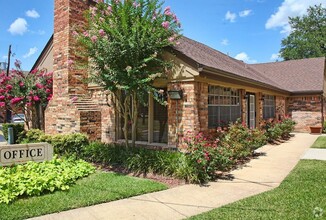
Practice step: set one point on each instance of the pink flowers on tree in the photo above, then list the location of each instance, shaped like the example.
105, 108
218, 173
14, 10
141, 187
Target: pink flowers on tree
24, 91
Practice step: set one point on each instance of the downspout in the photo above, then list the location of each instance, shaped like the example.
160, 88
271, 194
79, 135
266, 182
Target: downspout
322, 111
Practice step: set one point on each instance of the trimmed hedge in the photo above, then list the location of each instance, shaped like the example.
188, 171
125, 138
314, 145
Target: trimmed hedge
63, 144
18, 128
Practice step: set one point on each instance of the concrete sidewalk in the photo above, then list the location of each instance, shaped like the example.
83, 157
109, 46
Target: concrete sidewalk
315, 154
262, 174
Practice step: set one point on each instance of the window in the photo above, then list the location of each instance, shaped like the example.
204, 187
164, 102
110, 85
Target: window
223, 106
152, 121
269, 107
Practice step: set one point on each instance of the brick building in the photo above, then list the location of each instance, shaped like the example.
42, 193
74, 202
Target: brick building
217, 89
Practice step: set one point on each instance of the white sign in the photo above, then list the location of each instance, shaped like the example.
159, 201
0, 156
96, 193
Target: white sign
22, 153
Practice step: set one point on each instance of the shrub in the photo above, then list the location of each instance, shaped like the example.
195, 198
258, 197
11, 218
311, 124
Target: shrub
113, 154
324, 127
278, 129
31, 136
18, 128
203, 158
37, 178
137, 159
63, 144
272, 129
242, 141
67, 144
287, 126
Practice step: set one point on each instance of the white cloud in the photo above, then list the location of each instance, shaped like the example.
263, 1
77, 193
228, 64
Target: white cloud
32, 14
225, 42
229, 16
275, 56
41, 32
245, 58
289, 8
4, 57
31, 51
245, 13
19, 26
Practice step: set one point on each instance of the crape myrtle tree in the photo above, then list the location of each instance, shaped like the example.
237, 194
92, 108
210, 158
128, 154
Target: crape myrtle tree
27, 92
308, 36
124, 42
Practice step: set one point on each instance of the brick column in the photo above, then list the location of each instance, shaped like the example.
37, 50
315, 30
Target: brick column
192, 111
65, 113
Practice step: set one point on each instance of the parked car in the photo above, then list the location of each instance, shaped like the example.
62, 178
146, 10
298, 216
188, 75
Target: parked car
18, 118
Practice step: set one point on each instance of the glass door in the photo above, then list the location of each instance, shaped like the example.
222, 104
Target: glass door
251, 108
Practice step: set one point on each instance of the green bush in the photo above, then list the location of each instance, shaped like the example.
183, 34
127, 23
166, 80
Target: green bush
324, 127
37, 178
203, 158
138, 160
278, 129
287, 126
63, 144
242, 141
31, 136
272, 130
18, 128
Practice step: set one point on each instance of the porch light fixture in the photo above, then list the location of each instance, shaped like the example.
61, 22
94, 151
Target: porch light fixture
175, 94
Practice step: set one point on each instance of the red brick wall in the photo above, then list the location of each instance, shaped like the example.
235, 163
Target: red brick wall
108, 116
63, 114
192, 109
306, 111
280, 107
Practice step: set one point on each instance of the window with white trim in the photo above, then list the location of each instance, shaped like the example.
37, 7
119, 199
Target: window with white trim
269, 107
223, 106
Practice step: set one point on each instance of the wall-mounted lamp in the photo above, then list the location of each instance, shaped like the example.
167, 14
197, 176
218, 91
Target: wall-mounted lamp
200, 67
175, 94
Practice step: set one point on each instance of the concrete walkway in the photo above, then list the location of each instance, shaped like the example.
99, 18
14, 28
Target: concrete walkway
262, 174
315, 154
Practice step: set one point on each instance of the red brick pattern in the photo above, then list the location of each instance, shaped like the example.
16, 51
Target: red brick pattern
306, 111
192, 110
64, 114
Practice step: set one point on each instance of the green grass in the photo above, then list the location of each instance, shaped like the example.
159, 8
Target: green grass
320, 142
97, 188
296, 198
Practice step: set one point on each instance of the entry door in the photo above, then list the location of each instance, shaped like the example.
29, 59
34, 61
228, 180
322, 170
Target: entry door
251, 116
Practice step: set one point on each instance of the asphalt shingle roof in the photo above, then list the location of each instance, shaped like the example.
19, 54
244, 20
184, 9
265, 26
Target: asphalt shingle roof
293, 76
304, 75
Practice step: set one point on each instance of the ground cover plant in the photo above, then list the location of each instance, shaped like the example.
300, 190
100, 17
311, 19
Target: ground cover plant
98, 188
301, 195
320, 142
34, 179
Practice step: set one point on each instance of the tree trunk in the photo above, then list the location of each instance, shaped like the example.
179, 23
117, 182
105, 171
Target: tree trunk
134, 118
125, 117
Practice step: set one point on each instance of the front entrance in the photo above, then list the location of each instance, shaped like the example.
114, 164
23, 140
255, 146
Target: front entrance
251, 110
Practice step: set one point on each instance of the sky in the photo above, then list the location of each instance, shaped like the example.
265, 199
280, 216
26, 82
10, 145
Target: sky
248, 30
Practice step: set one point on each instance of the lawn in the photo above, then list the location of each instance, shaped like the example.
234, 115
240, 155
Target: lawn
97, 188
296, 198
320, 142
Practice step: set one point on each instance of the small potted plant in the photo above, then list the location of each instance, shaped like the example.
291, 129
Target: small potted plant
315, 129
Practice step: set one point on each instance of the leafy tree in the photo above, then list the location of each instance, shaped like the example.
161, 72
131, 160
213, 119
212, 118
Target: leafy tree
26, 92
125, 41
308, 36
